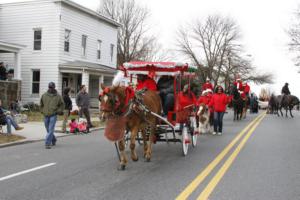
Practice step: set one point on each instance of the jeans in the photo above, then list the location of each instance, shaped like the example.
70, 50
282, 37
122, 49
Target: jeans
218, 121
50, 122
10, 122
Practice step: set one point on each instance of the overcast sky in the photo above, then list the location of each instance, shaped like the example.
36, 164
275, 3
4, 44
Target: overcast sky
263, 24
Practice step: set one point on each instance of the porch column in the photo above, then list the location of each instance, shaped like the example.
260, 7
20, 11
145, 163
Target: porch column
85, 80
101, 80
17, 68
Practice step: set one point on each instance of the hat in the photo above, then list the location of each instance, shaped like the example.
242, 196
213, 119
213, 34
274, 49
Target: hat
51, 85
204, 92
209, 90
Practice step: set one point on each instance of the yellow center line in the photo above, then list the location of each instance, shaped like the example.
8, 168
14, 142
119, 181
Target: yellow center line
216, 179
194, 184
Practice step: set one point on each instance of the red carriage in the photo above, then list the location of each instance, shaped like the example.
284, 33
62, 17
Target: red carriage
180, 120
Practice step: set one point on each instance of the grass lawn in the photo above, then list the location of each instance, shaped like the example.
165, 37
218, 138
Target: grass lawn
10, 138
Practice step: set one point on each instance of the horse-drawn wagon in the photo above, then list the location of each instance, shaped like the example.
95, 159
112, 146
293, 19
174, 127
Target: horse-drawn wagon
141, 111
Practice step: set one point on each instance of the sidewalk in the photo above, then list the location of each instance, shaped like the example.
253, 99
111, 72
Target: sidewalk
35, 131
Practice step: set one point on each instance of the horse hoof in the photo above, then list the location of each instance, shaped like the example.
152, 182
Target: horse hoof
147, 159
135, 159
121, 167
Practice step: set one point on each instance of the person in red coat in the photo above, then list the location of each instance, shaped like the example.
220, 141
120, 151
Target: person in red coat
218, 102
186, 98
207, 85
145, 82
239, 84
204, 98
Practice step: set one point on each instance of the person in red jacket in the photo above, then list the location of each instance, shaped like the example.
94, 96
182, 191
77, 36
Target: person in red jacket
204, 98
207, 85
143, 81
186, 98
239, 84
218, 102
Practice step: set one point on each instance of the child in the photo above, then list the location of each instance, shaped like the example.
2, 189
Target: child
73, 126
82, 126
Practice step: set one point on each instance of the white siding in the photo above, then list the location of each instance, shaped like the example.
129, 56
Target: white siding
83, 24
17, 22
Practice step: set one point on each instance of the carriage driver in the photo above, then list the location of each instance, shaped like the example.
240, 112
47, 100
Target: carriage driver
165, 86
145, 82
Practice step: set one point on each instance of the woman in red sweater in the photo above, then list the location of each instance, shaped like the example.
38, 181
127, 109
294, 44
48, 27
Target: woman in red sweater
218, 101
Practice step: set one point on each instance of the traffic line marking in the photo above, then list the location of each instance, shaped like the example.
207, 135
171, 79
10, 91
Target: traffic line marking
219, 175
194, 184
26, 171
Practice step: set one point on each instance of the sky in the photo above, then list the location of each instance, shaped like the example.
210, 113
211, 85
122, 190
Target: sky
263, 25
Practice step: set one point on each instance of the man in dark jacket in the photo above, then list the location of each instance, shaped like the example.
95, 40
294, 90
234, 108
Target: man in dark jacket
285, 91
165, 86
52, 104
83, 103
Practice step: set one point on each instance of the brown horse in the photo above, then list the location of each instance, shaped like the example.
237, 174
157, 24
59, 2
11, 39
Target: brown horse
137, 117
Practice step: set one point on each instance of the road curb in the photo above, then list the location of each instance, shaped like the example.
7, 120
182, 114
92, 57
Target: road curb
26, 141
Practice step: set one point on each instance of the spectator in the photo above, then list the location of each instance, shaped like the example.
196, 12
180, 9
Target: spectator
218, 102
73, 126
68, 108
3, 72
83, 103
8, 120
52, 104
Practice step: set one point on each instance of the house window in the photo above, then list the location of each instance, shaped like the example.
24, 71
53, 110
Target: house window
83, 45
67, 40
99, 50
37, 40
111, 52
36, 81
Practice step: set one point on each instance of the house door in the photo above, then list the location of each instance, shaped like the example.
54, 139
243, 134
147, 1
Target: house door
65, 82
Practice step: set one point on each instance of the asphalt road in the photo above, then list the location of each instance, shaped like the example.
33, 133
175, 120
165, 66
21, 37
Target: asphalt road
263, 164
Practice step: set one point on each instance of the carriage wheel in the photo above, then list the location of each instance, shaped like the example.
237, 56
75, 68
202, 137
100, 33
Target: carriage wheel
185, 140
194, 133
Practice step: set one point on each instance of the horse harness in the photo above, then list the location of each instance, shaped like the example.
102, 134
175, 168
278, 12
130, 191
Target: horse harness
133, 103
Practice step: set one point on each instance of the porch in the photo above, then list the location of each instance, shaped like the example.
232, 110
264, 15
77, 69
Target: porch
10, 55
77, 73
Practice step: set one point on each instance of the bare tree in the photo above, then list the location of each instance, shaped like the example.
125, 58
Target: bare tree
236, 64
213, 46
206, 44
294, 33
134, 40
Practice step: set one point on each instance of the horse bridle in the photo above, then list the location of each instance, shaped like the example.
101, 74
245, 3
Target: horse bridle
114, 103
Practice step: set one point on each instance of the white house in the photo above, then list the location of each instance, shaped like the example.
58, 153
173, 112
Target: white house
59, 41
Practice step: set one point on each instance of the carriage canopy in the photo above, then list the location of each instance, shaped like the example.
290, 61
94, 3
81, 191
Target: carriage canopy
159, 68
